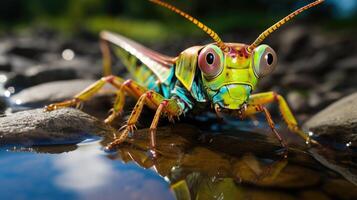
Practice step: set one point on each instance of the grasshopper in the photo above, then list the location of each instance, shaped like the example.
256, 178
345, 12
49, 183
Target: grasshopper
219, 77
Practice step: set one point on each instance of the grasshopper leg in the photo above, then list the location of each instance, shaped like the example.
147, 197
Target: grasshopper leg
87, 93
260, 108
154, 101
107, 61
270, 97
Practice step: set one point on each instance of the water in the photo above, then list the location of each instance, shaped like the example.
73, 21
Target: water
243, 165
84, 173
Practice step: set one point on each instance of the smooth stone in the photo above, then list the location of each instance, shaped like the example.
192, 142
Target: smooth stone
51, 92
37, 127
57, 91
337, 122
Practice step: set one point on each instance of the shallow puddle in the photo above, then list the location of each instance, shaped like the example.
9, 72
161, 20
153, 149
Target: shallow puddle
192, 164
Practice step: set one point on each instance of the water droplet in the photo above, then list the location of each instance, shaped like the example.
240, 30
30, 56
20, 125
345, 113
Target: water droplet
68, 54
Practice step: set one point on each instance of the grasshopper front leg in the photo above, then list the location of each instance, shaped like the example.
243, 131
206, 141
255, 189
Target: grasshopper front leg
270, 97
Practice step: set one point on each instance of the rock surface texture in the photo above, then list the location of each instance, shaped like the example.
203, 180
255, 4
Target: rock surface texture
36, 127
337, 121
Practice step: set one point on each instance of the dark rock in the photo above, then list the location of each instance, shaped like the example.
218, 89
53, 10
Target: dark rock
36, 127
27, 51
338, 121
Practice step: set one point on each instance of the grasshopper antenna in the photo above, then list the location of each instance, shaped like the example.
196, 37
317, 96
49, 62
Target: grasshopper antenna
277, 25
206, 29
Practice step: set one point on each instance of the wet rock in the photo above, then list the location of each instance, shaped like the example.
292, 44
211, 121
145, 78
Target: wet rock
338, 122
36, 127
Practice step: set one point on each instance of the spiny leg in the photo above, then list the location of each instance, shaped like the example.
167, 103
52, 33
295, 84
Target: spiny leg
87, 93
155, 122
269, 97
128, 87
253, 109
154, 101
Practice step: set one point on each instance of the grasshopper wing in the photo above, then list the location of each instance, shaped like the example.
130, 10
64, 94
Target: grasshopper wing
158, 63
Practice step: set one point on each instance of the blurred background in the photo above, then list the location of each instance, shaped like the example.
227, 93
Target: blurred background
317, 50
76, 16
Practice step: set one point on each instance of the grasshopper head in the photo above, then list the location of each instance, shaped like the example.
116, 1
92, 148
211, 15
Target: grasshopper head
230, 77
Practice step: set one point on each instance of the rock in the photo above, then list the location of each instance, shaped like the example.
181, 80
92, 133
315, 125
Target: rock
36, 127
41, 76
55, 71
27, 51
51, 92
337, 122
5, 64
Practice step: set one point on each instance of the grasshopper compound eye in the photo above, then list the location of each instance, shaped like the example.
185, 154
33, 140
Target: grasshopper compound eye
210, 61
264, 60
